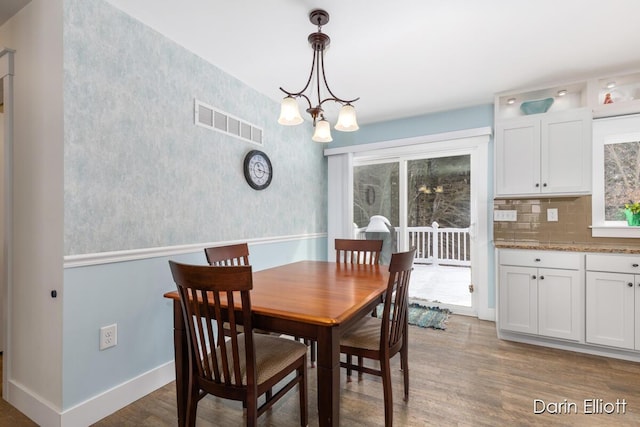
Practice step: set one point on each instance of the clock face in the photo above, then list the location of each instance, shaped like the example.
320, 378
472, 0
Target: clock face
257, 169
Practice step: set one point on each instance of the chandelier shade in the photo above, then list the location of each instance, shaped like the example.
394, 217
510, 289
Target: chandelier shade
322, 132
289, 111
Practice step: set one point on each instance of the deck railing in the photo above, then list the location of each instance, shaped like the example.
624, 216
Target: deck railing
435, 245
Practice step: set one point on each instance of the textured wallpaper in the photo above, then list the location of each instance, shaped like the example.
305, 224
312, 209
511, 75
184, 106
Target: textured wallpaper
140, 174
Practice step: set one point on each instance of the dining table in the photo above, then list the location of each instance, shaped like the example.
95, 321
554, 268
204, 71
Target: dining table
316, 300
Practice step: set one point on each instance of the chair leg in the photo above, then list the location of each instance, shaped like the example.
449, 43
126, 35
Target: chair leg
349, 361
314, 350
252, 410
360, 365
385, 369
302, 390
404, 358
192, 407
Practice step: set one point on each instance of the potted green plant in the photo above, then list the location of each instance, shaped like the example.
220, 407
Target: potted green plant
632, 212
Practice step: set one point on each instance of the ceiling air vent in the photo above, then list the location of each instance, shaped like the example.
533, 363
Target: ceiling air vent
218, 120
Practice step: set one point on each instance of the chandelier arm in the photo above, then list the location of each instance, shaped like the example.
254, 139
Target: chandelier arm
306, 86
297, 95
324, 78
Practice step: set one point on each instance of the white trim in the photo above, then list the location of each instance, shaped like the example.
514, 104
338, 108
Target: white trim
40, 411
71, 261
6, 263
473, 142
416, 140
110, 401
623, 231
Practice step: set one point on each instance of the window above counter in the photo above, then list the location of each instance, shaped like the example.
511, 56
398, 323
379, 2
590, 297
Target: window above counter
616, 174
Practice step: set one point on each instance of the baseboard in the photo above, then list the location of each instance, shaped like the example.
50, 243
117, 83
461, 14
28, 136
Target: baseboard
578, 347
98, 407
92, 410
40, 411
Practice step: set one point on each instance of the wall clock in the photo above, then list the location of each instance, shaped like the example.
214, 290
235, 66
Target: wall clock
257, 169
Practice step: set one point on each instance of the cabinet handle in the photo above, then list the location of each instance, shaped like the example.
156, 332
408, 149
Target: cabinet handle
533, 277
537, 184
544, 185
630, 284
537, 260
634, 265
541, 277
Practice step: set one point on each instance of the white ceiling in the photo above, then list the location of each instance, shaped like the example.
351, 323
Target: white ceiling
404, 57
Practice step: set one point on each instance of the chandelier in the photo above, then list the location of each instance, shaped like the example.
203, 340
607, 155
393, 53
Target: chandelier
289, 112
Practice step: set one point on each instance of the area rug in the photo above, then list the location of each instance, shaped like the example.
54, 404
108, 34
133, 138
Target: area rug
425, 317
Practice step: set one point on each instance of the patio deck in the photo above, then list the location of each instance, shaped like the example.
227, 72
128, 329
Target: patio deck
439, 283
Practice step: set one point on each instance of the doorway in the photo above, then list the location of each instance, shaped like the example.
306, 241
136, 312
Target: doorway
439, 188
427, 199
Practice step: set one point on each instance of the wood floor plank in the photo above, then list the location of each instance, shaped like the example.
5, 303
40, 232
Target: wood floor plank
464, 376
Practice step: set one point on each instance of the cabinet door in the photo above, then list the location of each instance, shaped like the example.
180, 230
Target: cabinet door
566, 153
518, 157
610, 309
560, 303
518, 304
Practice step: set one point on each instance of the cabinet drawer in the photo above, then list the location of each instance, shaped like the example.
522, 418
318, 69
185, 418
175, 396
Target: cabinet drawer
546, 259
614, 263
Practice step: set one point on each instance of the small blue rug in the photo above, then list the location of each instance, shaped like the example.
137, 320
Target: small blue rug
425, 317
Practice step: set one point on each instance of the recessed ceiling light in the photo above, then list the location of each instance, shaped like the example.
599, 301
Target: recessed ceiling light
562, 92
611, 85
511, 101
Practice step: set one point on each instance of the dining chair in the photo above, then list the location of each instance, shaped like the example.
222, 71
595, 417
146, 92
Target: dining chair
382, 338
229, 255
358, 251
237, 254
355, 251
244, 366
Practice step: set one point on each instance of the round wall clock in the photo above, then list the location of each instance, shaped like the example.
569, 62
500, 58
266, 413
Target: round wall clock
257, 169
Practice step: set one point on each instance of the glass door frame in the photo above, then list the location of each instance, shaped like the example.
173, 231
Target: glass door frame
474, 142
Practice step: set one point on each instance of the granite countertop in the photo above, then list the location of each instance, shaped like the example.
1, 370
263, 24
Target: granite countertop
571, 247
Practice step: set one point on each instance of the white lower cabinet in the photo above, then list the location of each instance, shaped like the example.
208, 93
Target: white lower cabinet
541, 293
613, 300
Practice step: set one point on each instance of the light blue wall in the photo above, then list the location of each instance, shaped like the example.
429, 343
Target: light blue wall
139, 174
445, 121
130, 294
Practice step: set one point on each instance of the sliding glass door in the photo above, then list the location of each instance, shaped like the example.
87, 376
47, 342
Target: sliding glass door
427, 199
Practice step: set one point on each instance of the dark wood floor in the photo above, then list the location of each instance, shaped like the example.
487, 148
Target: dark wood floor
463, 376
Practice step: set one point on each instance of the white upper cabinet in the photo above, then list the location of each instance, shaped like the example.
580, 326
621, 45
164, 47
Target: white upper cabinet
547, 153
548, 150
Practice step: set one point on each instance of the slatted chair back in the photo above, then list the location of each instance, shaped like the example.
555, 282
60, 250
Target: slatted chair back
205, 295
357, 251
394, 313
237, 254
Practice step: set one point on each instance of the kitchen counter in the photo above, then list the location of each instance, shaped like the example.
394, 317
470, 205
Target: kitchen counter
571, 247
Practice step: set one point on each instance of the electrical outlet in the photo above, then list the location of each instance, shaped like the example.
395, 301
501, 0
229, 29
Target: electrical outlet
552, 215
108, 336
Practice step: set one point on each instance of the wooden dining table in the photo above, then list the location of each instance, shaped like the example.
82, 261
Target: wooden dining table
310, 299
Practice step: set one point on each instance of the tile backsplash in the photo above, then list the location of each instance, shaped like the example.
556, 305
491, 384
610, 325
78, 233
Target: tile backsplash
531, 226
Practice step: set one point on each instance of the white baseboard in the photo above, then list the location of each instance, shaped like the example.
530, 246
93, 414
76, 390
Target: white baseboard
98, 407
92, 410
40, 411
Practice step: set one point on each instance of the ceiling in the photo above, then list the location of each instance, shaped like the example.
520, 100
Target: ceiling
404, 57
